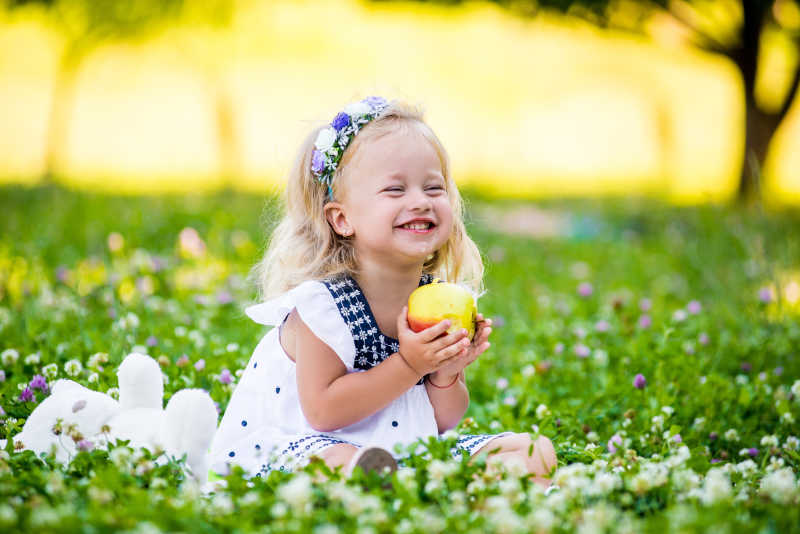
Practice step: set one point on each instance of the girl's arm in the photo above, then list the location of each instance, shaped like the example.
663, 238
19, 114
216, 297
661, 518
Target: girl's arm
331, 398
449, 403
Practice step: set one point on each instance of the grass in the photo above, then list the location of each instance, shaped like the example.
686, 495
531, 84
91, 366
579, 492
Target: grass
703, 302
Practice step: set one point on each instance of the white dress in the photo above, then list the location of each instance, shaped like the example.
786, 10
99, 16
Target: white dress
264, 427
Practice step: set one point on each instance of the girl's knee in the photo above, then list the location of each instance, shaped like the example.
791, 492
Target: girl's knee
547, 451
338, 455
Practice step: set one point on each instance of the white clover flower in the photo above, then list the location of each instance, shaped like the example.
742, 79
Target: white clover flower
685, 479
542, 520
113, 393
542, 411
731, 435
130, 321
769, 441
221, 504
297, 492
50, 371
139, 349
93, 378
451, 434
528, 371
658, 422
325, 139
180, 331
591, 446
7, 515
780, 486
716, 487
9, 357
439, 470
593, 437
232, 347
791, 443
73, 368
669, 410
33, 359
746, 467
775, 463
604, 483
699, 422
640, 483
795, 389
742, 379
788, 417
97, 359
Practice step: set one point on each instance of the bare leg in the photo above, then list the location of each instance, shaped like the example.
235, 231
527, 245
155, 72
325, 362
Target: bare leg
514, 449
338, 455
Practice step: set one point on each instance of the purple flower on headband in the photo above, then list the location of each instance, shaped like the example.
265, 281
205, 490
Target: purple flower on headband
317, 162
374, 101
340, 121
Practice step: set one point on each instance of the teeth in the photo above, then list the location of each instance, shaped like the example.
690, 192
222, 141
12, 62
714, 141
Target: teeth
417, 226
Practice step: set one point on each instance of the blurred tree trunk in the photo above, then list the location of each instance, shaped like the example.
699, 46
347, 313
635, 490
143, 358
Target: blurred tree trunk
60, 111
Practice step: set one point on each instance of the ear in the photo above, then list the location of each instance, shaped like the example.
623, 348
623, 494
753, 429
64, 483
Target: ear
337, 218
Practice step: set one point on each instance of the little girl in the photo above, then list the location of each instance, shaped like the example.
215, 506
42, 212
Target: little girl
372, 213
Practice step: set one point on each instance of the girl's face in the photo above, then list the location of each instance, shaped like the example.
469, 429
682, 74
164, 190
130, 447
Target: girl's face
394, 205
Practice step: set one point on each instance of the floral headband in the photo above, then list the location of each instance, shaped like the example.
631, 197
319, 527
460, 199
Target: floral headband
333, 140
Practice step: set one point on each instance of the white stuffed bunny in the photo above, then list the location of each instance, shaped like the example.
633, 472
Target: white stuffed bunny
186, 426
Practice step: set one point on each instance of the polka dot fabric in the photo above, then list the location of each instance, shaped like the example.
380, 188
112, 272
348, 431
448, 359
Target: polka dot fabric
264, 428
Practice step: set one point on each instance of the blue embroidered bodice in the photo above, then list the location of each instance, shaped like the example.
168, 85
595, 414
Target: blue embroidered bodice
372, 346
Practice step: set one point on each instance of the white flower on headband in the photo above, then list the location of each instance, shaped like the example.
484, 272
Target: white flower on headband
325, 139
357, 109
332, 141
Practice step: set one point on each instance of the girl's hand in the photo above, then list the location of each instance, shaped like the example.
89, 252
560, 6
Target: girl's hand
429, 350
445, 374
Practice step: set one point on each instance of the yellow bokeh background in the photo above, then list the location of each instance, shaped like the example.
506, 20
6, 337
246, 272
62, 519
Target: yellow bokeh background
526, 107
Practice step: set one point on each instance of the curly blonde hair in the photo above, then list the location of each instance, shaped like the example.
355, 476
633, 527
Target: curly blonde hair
304, 246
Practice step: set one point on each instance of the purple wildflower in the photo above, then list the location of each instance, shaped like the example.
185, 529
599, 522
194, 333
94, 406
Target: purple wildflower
85, 445
374, 101
200, 364
224, 297
765, 295
498, 321
38, 382
183, 361
62, 274
559, 348
112, 313
340, 121
26, 395
645, 304
2, 376
703, 338
152, 341
502, 383
694, 307
746, 367
317, 162
225, 377
677, 438
613, 442
715, 460
602, 326
713, 436
644, 322
639, 381
582, 351
752, 451
778, 371
585, 289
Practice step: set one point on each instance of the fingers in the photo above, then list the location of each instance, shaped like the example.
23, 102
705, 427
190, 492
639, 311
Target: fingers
453, 349
449, 339
432, 332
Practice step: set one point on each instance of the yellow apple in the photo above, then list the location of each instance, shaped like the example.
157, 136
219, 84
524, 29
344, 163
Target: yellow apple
435, 302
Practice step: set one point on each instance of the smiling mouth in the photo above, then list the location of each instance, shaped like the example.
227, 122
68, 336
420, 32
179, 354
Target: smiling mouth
418, 227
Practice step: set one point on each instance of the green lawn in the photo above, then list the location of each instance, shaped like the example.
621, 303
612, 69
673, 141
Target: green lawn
586, 295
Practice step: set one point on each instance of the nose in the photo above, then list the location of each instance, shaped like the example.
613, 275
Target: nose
420, 201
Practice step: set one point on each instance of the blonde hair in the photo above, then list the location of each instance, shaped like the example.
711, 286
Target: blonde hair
305, 247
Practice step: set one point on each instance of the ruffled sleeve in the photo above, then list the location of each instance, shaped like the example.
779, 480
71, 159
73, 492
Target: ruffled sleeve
318, 311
